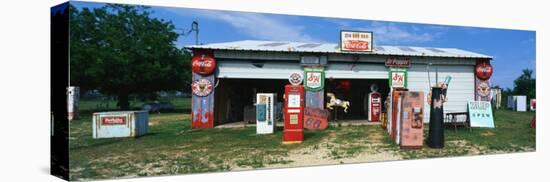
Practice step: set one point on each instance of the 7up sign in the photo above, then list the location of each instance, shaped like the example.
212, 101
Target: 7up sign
314, 79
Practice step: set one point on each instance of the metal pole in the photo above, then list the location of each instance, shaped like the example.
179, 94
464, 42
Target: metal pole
195, 27
429, 80
436, 75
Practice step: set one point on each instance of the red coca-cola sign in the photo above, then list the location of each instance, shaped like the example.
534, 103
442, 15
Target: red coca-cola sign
113, 120
203, 63
356, 45
484, 70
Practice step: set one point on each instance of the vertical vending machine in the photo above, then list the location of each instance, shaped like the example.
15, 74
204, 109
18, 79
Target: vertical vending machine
395, 123
412, 120
265, 112
375, 106
293, 114
73, 98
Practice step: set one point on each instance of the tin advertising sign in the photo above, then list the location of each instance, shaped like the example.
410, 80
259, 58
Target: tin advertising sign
398, 77
481, 114
401, 62
315, 79
358, 41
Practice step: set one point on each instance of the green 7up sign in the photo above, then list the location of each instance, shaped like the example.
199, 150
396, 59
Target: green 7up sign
314, 79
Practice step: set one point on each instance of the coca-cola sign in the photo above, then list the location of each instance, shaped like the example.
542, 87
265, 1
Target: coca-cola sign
203, 63
484, 70
118, 120
356, 41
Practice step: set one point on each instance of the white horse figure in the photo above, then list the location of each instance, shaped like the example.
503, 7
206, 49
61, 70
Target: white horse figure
337, 102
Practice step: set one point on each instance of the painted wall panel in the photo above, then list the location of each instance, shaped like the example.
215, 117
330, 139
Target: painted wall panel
461, 88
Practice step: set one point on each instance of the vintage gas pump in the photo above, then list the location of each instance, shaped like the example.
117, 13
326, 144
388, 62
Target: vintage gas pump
293, 114
375, 104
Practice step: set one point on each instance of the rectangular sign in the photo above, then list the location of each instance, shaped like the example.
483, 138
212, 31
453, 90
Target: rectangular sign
356, 41
293, 100
314, 79
315, 118
400, 62
398, 77
481, 114
118, 120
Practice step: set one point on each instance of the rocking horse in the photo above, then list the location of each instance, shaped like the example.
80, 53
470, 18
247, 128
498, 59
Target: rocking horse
337, 102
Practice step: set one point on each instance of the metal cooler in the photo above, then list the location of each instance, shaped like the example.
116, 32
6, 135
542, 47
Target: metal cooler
120, 124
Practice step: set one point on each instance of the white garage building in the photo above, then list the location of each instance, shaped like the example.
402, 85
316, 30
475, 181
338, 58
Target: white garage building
265, 66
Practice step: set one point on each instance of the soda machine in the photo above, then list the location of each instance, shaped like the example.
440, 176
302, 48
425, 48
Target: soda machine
293, 114
412, 120
265, 113
395, 122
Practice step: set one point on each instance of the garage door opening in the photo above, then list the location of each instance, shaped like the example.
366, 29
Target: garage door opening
356, 92
235, 98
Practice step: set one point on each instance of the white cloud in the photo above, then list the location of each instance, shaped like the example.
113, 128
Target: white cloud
390, 33
257, 26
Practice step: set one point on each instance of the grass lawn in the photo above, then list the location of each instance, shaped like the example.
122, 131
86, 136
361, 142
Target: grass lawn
171, 147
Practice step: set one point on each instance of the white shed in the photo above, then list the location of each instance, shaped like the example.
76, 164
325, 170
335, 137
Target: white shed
251, 61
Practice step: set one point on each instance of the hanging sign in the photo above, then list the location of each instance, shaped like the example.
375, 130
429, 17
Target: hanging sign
484, 70
315, 79
481, 114
401, 62
483, 89
201, 87
295, 78
203, 63
398, 77
356, 41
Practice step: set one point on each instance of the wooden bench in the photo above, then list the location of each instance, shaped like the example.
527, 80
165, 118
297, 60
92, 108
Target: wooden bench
451, 119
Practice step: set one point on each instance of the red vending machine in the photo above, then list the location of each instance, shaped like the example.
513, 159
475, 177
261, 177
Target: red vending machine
395, 122
412, 120
375, 106
293, 114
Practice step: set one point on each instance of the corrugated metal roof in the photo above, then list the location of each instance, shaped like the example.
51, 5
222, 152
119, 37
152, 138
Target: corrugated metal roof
280, 46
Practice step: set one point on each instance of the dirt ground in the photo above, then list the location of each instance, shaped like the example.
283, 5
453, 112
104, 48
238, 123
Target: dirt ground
171, 147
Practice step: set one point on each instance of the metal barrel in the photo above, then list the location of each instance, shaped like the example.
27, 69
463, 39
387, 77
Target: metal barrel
436, 137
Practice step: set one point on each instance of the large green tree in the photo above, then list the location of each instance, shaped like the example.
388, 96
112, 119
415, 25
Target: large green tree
525, 84
122, 50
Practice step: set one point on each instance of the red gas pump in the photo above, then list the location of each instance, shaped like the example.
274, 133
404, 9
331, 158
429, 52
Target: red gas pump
375, 105
293, 114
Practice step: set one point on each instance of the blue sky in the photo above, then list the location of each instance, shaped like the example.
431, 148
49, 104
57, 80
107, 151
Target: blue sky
512, 50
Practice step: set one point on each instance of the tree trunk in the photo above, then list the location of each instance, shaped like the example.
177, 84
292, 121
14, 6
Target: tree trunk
123, 101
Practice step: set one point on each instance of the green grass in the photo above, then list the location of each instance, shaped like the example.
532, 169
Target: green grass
180, 103
172, 147
512, 133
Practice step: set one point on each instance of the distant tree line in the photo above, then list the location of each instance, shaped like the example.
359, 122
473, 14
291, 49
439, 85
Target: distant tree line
525, 84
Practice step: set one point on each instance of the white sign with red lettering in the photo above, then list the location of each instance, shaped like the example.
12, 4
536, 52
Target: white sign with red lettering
398, 79
356, 41
314, 80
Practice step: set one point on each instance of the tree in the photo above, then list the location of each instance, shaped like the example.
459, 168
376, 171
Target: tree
121, 50
525, 84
